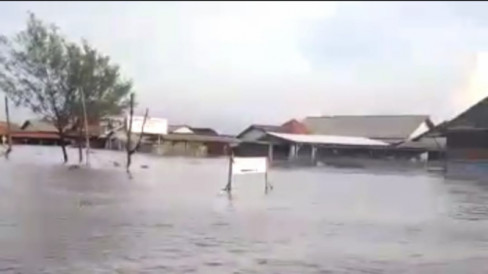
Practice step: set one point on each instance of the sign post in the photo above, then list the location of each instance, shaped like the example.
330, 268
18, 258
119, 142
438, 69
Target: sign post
247, 165
266, 177
228, 187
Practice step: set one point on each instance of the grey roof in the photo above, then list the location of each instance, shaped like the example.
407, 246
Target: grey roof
172, 128
435, 131
472, 118
38, 125
13, 126
426, 143
199, 138
204, 131
265, 128
372, 126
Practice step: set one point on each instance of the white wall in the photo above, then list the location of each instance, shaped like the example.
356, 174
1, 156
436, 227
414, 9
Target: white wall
182, 130
152, 126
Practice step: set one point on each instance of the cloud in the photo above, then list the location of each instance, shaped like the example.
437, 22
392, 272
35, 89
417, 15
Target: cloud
227, 64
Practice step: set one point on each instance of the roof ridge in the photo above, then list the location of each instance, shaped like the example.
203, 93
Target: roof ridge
371, 115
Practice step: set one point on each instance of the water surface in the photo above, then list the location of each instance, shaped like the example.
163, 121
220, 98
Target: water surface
172, 218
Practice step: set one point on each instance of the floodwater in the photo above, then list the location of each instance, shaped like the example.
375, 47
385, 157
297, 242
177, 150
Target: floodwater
172, 217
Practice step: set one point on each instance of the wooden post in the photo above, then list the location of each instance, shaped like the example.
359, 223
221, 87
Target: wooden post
270, 153
9, 135
293, 152
87, 142
129, 132
314, 154
266, 188
228, 187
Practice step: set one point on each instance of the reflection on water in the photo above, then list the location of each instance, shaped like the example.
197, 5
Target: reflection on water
173, 218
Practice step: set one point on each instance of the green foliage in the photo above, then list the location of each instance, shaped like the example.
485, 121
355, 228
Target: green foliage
40, 70
105, 93
34, 71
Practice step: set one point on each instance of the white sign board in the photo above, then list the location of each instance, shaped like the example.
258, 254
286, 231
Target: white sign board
249, 165
152, 126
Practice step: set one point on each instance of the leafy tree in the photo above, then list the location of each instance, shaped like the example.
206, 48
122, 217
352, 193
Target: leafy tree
99, 81
34, 73
40, 70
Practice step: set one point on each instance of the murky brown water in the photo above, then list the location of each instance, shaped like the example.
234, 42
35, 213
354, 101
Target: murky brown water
172, 218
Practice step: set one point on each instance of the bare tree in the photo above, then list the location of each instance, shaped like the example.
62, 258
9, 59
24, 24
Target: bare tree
129, 148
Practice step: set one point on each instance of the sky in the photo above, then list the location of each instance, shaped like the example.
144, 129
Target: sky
230, 64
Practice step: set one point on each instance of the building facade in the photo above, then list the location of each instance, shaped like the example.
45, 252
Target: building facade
467, 142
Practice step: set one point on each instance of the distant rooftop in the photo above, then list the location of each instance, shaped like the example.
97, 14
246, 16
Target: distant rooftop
204, 131
370, 126
474, 118
38, 125
329, 139
3, 127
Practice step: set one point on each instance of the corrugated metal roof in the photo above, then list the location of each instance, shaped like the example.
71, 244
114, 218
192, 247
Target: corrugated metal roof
294, 127
39, 126
3, 127
35, 135
268, 127
370, 126
172, 128
199, 138
264, 128
329, 139
427, 143
472, 118
204, 131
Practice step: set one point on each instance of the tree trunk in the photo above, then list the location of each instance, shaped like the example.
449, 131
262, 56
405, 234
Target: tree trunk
65, 154
129, 160
63, 147
9, 134
131, 150
80, 145
85, 120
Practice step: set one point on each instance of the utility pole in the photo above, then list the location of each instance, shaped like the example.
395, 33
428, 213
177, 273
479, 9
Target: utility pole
87, 142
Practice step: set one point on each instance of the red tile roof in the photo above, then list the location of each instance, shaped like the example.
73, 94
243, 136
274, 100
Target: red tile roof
294, 127
35, 135
3, 127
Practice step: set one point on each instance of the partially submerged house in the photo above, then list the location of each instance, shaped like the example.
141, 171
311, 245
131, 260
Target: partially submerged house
37, 132
176, 140
149, 129
4, 131
400, 131
325, 137
467, 142
181, 129
183, 140
393, 129
253, 140
292, 142
185, 129
204, 131
77, 134
196, 145
42, 132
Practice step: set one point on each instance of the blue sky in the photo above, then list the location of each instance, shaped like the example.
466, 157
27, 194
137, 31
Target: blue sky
229, 64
